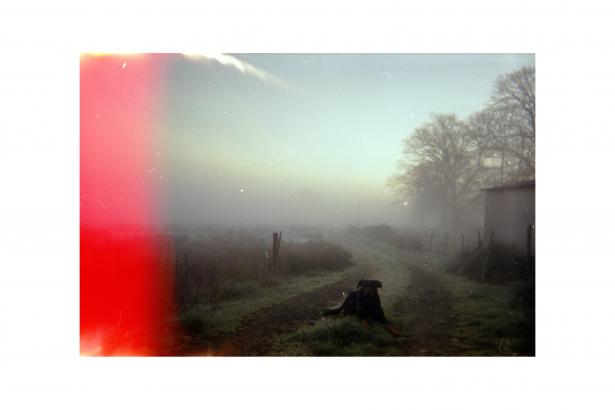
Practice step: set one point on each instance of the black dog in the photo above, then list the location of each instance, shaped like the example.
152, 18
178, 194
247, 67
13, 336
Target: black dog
363, 302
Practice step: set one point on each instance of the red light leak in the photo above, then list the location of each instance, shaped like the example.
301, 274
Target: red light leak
125, 274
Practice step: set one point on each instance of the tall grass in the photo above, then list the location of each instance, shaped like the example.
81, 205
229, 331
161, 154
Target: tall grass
222, 267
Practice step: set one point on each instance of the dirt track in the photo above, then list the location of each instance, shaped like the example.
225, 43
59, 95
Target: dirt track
425, 300
429, 334
255, 334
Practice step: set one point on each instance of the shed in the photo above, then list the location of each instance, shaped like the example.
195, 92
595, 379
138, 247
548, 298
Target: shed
510, 215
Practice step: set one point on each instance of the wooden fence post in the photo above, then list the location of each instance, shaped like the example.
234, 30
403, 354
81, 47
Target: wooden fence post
274, 252
277, 239
529, 245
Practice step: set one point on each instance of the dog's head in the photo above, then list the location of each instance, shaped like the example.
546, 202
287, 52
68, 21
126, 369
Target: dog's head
369, 285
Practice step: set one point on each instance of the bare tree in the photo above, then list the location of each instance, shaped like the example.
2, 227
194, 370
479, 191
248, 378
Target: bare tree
447, 160
489, 128
508, 124
443, 164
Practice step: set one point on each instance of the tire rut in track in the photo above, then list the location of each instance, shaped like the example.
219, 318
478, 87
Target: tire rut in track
429, 333
256, 333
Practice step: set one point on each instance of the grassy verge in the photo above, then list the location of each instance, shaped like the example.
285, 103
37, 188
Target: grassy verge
489, 319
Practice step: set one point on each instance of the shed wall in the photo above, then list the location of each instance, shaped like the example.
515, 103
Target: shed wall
508, 212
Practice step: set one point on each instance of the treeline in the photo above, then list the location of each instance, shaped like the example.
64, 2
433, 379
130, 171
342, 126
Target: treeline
448, 160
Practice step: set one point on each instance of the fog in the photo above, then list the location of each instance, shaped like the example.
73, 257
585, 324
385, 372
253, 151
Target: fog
317, 146
324, 139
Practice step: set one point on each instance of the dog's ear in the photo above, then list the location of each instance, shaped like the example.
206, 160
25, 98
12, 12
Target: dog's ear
378, 284
360, 284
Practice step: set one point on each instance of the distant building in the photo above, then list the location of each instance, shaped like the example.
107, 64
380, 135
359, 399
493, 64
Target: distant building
509, 211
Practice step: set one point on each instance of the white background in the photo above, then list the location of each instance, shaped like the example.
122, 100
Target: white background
40, 366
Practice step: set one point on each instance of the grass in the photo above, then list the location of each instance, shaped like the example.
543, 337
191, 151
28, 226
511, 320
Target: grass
347, 336
487, 319
224, 317
341, 337
386, 263
492, 319
488, 322
222, 267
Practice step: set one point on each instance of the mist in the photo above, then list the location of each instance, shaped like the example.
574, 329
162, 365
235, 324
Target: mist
318, 146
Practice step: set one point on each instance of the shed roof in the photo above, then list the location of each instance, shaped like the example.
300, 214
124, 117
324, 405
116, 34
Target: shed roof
513, 185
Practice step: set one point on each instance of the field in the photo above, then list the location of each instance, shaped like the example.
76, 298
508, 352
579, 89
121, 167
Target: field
432, 312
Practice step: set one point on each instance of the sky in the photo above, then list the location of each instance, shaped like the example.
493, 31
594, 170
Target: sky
306, 138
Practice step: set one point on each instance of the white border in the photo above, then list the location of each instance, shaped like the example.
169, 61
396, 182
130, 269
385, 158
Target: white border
40, 366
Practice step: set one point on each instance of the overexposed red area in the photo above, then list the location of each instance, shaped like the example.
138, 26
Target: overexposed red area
125, 274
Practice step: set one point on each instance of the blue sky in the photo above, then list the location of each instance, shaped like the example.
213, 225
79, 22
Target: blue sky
318, 145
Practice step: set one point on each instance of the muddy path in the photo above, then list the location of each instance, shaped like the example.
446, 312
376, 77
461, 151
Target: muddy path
423, 299
430, 305
256, 333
